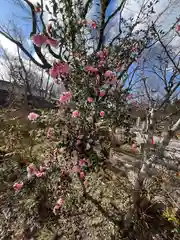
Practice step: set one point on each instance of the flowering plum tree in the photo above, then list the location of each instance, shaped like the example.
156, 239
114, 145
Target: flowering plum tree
99, 70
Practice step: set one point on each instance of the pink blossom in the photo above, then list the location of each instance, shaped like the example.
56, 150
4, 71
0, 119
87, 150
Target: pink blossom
37, 9
101, 63
50, 132
102, 113
91, 69
90, 99
134, 147
102, 93
105, 51
52, 42
82, 162
94, 25
112, 81
60, 202
178, 28
58, 205
100, 54
39, 39
65, 97
63, 68
59, 69
78, 142
82, 175
53, 72
75, 114
18, 186
134, 49
40, 174
33, 116
109, 74
31, 168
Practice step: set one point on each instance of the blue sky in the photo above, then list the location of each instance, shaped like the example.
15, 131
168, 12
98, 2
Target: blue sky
8, 9
11, 11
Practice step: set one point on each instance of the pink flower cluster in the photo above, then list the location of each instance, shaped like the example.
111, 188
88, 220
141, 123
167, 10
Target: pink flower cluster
33, 171
50, 132
109, 74
59, 69
90, 22
33, 116
90, 99
178, 28
18, 186
58, 205
91, 69
102, 55
41, 39
134, 49
110, 77
102, 93
65, 97
75, 114
79, 167
102, 113
134, 147
37, 9
93, 24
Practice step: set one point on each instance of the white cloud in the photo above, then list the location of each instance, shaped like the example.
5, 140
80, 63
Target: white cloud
165, 10
10, 48
166, 13
8, 45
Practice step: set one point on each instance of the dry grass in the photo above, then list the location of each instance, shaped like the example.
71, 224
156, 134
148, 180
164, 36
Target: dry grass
91, 211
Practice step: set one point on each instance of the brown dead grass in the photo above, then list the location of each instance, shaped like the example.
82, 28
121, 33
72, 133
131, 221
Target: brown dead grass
96, 214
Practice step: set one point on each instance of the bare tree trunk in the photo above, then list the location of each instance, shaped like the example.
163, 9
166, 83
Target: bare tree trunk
25, 96
47, 87
50, 91
147, 161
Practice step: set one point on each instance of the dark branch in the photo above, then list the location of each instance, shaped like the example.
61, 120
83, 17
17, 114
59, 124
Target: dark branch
34, 24
86, 8
103, 23
165, 49
23, 49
